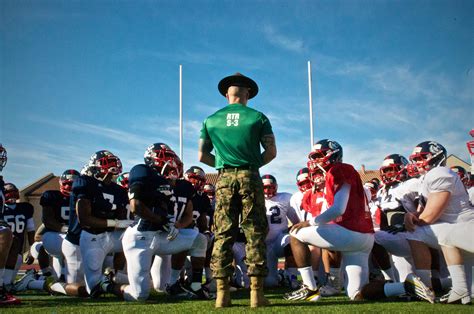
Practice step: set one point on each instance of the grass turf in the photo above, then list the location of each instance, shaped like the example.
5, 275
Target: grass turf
160, 303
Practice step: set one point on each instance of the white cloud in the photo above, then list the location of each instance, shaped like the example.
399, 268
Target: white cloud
282, 41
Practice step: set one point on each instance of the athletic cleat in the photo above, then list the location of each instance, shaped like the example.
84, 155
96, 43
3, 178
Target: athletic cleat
101, 287
7, 299
328, 291
201, 294
304, 293
415, 287
177, 290
453, 297
22, 283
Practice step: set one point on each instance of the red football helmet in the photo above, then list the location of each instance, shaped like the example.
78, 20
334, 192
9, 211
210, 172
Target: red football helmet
196, 176
462, 173
12, 194
393, 169
102, 163
65, 181
163, 159
122, 180
412, 170
270, 186
303, 180
323, 155
210, 190
373, 186
3, 157
429, 154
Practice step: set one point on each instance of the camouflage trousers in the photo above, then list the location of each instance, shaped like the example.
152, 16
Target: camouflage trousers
239, 202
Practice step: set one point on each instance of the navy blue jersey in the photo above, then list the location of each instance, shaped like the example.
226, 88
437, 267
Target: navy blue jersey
201, 207
59, 203
183, 191
107, 201
2, 195
17, 215
147, 186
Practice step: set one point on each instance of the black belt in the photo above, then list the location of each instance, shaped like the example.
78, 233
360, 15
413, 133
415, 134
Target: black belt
231, 169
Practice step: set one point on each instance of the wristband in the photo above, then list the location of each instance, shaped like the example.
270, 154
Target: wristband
111, 223
64, 229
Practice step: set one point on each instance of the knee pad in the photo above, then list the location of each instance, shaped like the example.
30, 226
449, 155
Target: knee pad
35, 249
199, 246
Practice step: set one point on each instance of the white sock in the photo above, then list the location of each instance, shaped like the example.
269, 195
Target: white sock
425, 276
308, 277
174, 275
8, 276
392, 289
58, 287
121, 278
388, 274
458, 277
36, 285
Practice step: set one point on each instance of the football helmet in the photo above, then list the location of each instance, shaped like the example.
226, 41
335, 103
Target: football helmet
373, 185
65, 181
412, 170
303, 180
122, 180
210, 190
270, 186
196, 176
428, 155
163, 159
323, 155
462, 173
12, 194
393, 169
102, 163
3, 157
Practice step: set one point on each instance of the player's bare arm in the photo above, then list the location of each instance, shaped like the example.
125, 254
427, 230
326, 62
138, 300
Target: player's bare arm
49, 219
435, 206
187, 217
140, 209
84, 215
269, 146
204, 154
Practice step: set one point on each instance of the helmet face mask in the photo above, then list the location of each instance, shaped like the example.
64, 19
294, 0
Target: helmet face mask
66, 180
428, 155
210, 191
164, 160
270, 186
12, 194
303, 180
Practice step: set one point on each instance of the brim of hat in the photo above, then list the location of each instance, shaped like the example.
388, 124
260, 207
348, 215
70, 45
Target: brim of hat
238, 80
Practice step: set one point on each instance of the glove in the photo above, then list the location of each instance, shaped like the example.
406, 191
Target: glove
394, 229
122, 224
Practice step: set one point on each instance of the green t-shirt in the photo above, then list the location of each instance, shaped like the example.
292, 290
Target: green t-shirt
235, 132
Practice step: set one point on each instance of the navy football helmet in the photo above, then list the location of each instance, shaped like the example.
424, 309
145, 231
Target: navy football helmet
303, 180
393, 169
196, 176
210, 190
323, 155
65, 181
3, 157
163, 159
428, 155
102, 163
12, 194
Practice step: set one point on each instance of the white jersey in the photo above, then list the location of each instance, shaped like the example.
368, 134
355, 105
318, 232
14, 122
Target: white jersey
441, 179
279, 212
295, 203
388, 198
409, 194
471, 195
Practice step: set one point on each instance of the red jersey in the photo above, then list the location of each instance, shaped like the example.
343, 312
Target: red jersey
357, 215
312, 202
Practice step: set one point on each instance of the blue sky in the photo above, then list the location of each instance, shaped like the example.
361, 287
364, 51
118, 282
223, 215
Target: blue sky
80, 76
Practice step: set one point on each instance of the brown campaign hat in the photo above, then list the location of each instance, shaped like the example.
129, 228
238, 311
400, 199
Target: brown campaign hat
238, 80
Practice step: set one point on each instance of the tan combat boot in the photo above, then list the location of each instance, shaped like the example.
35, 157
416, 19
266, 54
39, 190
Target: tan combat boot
223, 293
257, 298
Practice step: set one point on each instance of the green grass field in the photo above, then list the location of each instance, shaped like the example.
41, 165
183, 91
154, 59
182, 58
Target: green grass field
160, 303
